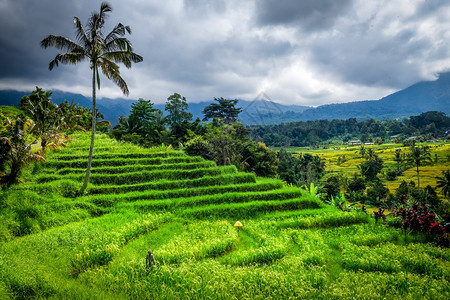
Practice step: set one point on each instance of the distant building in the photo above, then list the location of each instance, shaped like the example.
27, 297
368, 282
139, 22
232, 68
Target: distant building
368, 143
354, 143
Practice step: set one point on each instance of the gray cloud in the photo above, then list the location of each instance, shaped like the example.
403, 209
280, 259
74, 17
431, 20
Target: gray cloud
309, 15
304, 52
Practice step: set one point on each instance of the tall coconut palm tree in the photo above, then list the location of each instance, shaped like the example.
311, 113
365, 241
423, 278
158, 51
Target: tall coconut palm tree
418, 156
444, 183
102, 52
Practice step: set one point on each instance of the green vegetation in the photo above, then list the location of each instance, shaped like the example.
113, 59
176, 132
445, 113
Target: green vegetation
291, 245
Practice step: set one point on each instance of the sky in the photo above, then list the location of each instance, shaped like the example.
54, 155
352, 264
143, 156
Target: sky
309, 52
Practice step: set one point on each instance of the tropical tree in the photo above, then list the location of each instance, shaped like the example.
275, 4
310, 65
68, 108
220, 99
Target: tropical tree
398, 158
362, 151
418, 156
46, 115
102, 51
17, 148
177, 107
178, 118
443, 182
225, 110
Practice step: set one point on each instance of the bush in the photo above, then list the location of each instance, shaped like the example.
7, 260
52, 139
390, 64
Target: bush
420, 219
199, 147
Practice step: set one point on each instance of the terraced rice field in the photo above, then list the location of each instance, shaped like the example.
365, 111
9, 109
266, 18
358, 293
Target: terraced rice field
440, 154
55, 245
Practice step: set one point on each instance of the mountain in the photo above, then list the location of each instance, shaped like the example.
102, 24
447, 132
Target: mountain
414, 100
112, 109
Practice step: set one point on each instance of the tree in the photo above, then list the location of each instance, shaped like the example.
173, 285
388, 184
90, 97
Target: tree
17, 147
46, 115
371, 167
418, 156
332, 186
403, 192
143, 126
102, 52
224, 110
178, 118
262, 161
399, 160
357, 185
362, 151
142, 115
286, 168
177, 107
75, 117
443, 182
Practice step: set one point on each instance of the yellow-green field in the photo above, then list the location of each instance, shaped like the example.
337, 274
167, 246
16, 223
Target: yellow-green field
353, 159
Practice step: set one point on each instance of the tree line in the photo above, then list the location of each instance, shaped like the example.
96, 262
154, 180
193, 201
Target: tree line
428, 125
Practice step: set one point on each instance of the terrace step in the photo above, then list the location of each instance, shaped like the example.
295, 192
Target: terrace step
114, 155
143, 176
223, 179
262, 185
82, 163
151, 200
240, 211
138, 168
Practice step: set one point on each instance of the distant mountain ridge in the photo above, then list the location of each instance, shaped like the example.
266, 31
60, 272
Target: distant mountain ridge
414, 100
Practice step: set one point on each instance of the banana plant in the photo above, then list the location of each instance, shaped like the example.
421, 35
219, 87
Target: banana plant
313, 190
341, 203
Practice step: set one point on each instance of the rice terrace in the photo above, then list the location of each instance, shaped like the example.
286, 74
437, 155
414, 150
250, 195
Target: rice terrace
291, 245
225, 198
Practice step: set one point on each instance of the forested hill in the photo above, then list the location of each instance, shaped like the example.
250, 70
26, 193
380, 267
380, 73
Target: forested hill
414, 100
429, 125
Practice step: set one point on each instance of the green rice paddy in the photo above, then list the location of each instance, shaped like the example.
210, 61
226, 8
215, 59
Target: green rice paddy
291, 246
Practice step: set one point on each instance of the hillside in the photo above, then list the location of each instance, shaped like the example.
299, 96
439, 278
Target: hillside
183, 208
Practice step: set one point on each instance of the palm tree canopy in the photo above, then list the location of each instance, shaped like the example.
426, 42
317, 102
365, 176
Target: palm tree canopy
102, 51
419, 156
444, 183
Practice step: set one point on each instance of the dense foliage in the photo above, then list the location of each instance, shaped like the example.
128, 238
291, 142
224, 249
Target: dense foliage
310, 133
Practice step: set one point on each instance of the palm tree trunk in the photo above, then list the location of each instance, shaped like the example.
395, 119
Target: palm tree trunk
94, 121
418, 178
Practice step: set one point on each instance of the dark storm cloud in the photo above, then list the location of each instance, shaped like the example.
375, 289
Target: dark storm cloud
304, 52
23, 24
309, 15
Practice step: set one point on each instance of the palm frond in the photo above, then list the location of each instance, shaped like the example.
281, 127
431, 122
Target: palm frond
119, 44
81, 34
119, 30
111, 70
119, 57
66, 58
104, 8
59, 42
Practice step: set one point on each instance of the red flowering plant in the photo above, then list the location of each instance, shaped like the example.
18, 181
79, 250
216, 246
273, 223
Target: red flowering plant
419, 218
379, 215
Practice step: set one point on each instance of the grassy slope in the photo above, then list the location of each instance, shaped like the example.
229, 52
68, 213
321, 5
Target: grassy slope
291, 245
